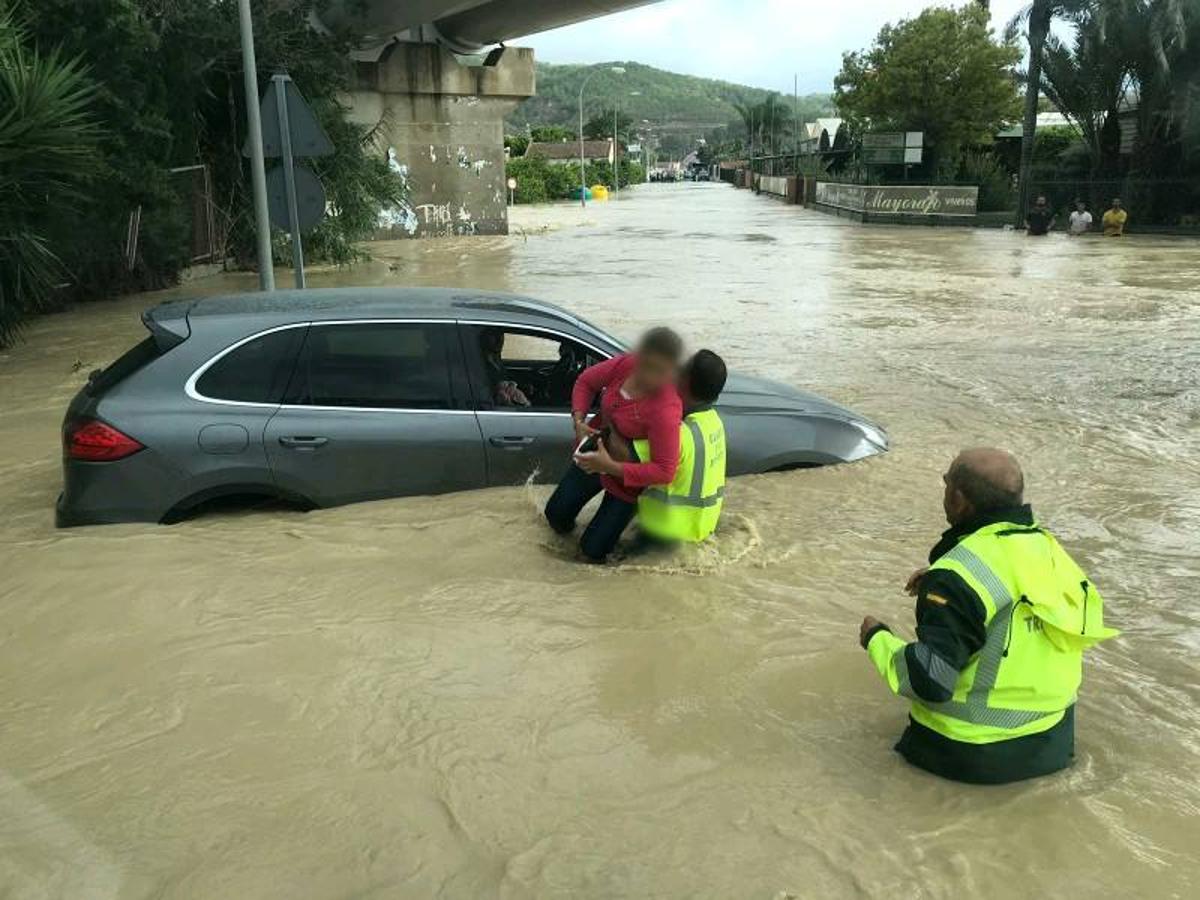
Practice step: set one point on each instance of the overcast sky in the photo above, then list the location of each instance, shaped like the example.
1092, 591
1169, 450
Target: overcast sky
756, 42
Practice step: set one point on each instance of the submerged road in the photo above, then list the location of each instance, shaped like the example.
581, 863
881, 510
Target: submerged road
429, 698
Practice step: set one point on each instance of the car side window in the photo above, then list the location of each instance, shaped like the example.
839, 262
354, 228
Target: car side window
393, 365
524, 369
256, 372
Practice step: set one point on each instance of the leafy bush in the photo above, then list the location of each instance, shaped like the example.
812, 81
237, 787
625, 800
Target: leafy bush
169, 91
995, 184
47, 141
540, 181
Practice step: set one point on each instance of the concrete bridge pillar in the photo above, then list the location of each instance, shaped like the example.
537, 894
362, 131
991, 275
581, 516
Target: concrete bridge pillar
443, 124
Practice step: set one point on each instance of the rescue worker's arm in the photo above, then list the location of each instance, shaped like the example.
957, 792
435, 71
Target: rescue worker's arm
950, 630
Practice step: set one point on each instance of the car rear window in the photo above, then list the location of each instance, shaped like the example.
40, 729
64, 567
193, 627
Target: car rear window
254, 372
133, 359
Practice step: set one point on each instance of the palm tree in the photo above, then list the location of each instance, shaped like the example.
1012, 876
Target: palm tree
765, 122
1086, 81
1163, 23
746, 111
47, 148
1036, 19
774, 116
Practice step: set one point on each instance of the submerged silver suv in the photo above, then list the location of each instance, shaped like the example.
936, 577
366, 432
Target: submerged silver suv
325, 397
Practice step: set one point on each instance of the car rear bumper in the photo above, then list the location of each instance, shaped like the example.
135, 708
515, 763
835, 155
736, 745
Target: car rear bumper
136, 489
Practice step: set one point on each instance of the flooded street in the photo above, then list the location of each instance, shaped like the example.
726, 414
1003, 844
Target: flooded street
429, 698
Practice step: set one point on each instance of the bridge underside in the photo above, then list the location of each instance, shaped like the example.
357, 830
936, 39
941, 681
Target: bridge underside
464, 26
443, 124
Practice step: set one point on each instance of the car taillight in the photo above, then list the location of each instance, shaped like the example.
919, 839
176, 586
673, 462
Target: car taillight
94, 441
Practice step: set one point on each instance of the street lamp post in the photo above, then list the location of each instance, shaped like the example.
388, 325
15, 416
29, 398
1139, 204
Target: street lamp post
616, 70
616, 143
258, 175
616, 171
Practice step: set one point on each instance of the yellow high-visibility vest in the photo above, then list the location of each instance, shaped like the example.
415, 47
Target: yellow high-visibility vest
689, 507
1042, 613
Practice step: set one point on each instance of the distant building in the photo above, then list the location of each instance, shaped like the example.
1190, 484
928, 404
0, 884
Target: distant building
563, 152
1044, 120
822, 135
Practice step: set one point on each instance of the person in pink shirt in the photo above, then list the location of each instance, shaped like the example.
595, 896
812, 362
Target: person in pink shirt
637, 400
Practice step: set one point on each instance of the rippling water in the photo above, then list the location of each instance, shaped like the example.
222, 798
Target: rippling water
428, 697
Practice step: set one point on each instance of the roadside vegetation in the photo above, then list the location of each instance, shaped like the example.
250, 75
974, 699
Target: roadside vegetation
110, 106
942, 73
540, 181
1124, 74
48, 138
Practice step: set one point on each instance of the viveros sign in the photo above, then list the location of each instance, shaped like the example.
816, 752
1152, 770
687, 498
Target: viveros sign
903, 200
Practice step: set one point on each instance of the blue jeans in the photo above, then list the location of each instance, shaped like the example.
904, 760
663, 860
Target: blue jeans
602, 533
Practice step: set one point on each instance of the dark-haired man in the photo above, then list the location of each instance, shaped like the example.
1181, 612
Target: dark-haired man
688, 508
1040, 217
1003, 617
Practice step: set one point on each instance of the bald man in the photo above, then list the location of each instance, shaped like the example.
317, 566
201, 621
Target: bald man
1003, 617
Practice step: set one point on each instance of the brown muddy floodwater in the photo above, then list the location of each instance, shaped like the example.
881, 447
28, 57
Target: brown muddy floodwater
428, 697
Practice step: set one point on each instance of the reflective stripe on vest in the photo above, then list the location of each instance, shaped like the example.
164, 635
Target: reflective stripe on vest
695, 495
975, 709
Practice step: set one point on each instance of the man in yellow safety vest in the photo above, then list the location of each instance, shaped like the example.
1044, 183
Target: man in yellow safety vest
688, 509
1003, 617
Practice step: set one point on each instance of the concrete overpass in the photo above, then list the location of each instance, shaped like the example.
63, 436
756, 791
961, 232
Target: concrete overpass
438, 106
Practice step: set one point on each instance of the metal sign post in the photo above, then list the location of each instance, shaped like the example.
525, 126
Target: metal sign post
258, 172
289, 174
295, 199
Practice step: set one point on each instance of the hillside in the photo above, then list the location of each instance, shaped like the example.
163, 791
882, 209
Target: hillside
667, 99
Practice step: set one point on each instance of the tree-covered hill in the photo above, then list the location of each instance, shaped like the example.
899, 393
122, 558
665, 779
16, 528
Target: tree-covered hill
666, 99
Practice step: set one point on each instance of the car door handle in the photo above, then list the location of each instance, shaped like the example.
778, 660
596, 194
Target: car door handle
303, 442
510, 442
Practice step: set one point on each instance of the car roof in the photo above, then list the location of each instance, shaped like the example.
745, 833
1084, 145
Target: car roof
175, 319
367, 303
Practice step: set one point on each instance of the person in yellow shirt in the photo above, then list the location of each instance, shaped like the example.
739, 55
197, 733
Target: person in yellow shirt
1114, 219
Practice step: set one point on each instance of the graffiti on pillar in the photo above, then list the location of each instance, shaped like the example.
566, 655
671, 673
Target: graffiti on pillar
403, 215
436, 216
466, 225
441, 219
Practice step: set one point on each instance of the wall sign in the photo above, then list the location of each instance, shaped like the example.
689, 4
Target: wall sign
900, 199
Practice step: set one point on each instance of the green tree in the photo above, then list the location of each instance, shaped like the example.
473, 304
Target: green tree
768, 123
169, 91
1086, 81
600, 126
1036, 19
552, 134
47, 142
943, 73
516, 144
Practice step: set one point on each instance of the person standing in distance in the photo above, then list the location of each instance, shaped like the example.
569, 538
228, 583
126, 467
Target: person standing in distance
1081, 219
1114, 218
1040, 218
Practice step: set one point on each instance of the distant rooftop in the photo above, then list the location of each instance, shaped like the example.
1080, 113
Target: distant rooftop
1044, 120
568, 150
